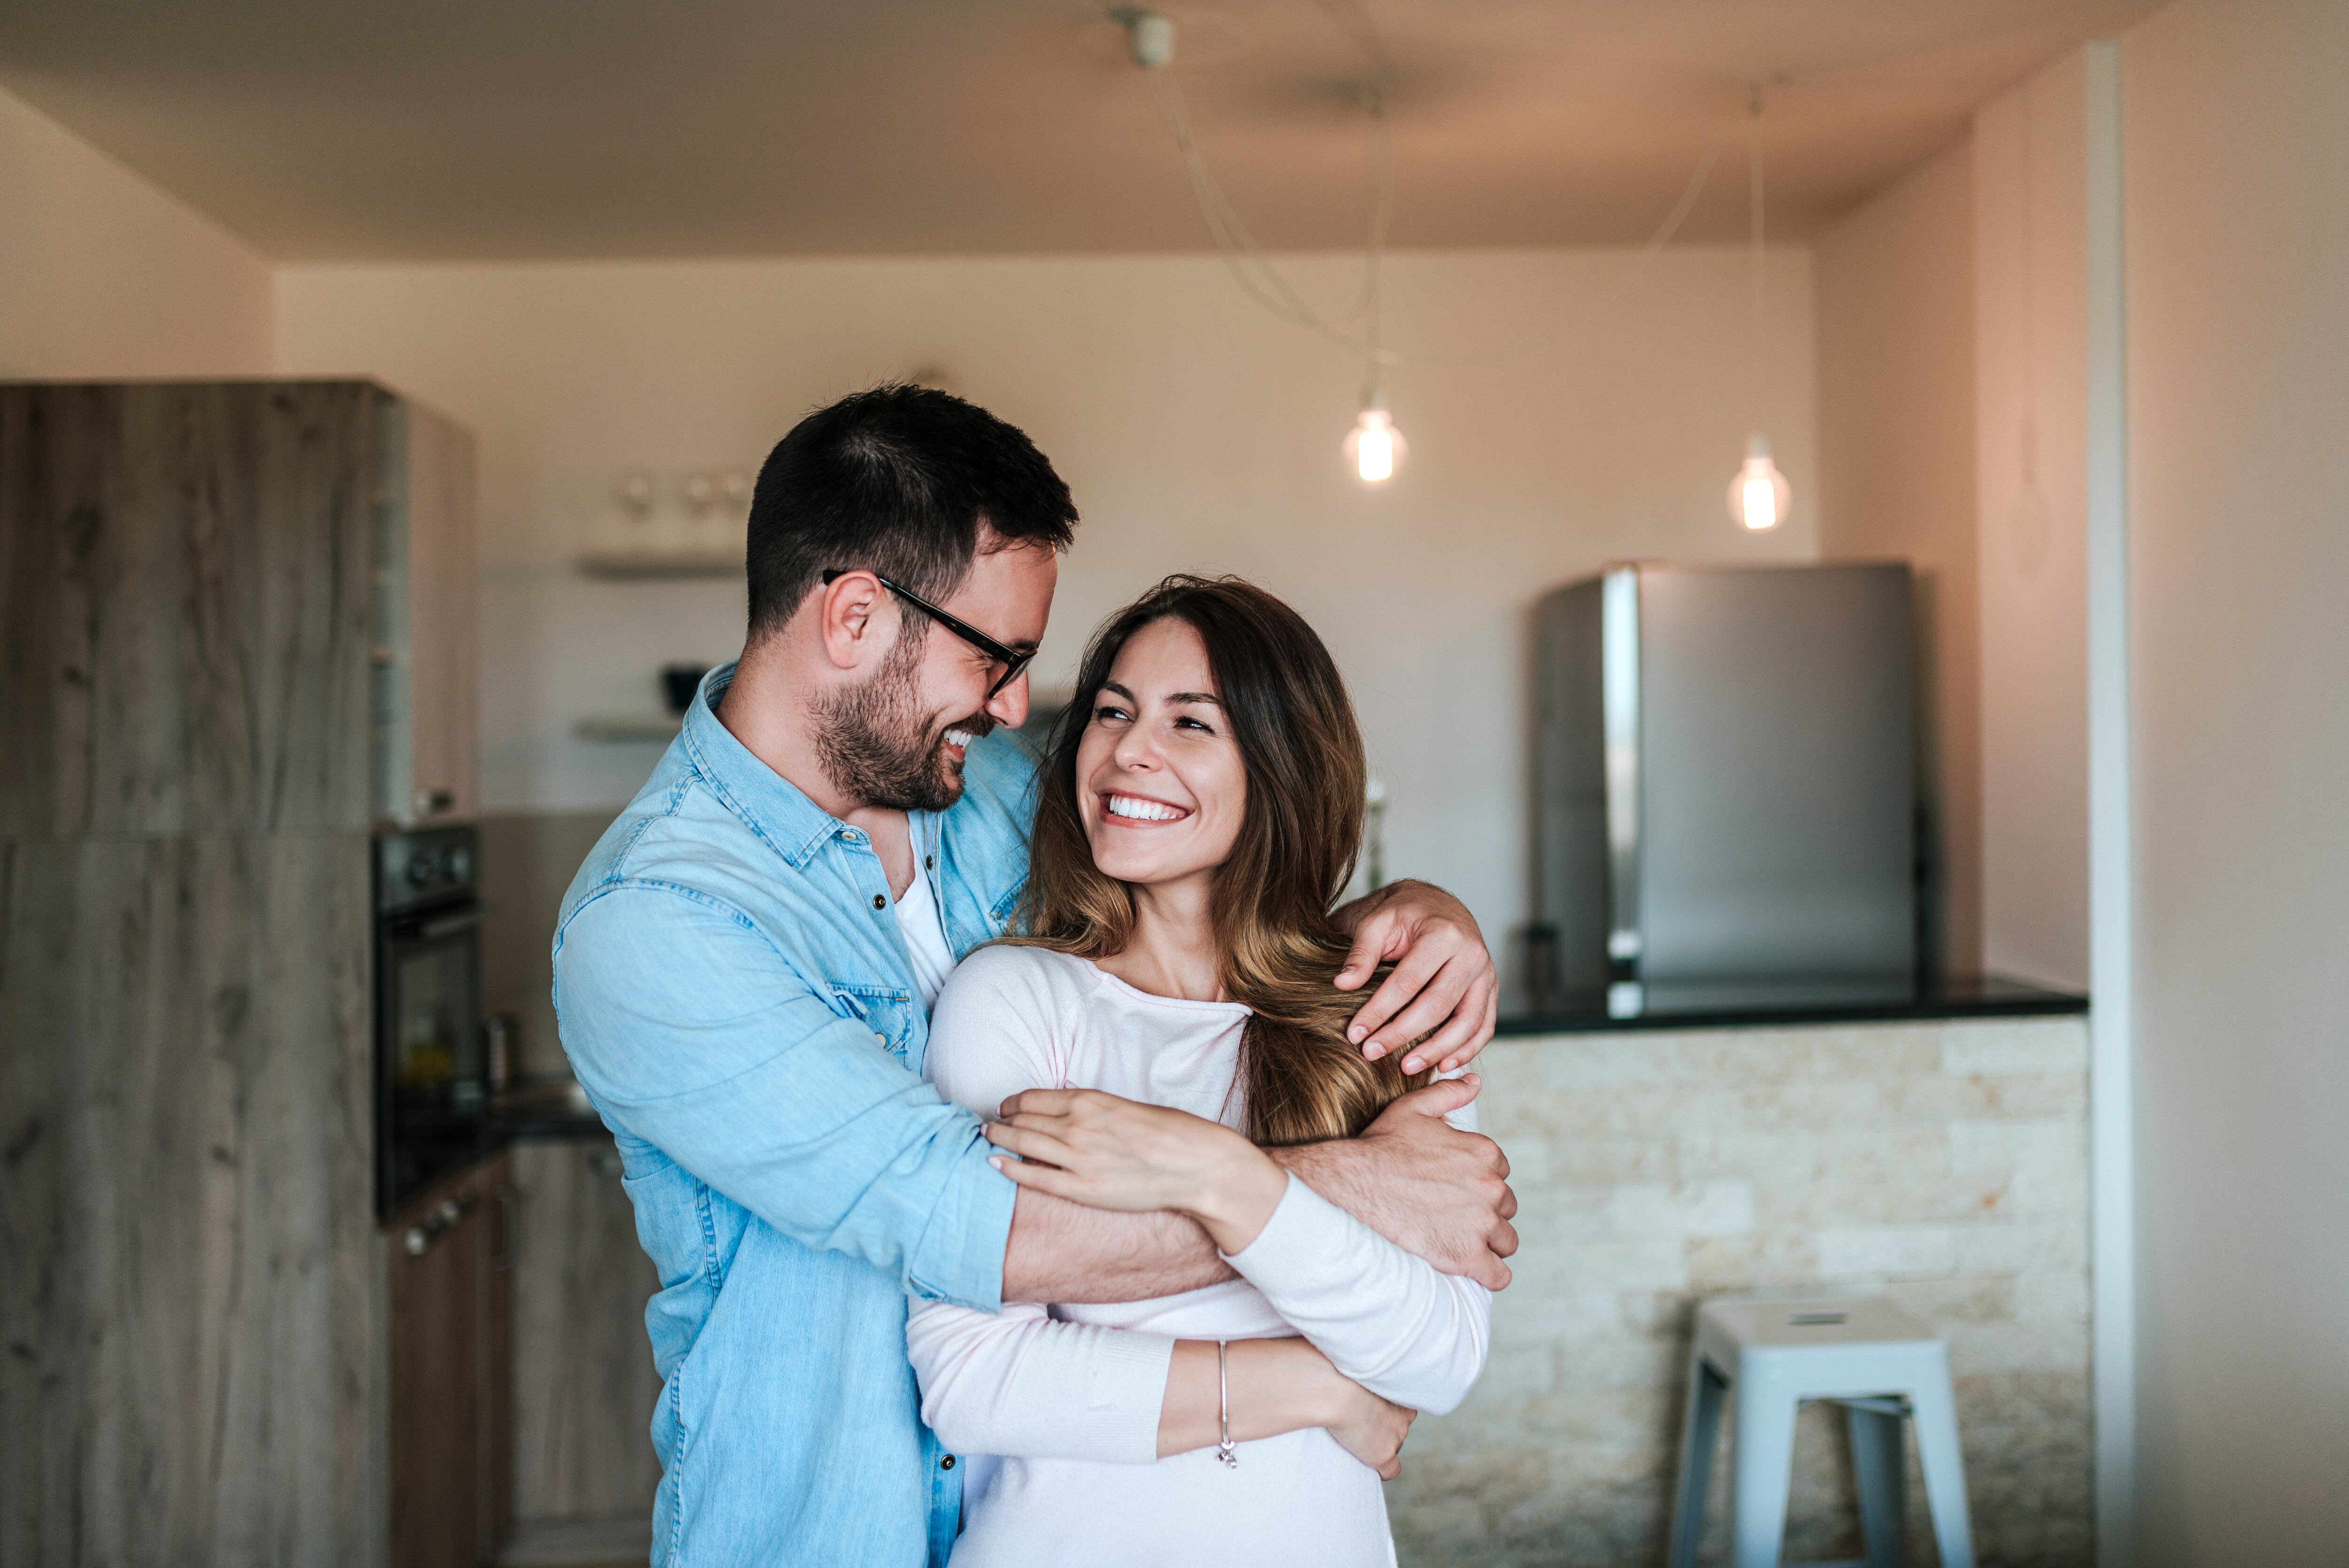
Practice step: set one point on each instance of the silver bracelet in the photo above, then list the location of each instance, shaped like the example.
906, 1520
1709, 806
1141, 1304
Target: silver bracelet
1223, 1450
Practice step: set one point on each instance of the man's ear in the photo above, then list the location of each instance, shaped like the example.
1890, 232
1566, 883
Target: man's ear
849, 619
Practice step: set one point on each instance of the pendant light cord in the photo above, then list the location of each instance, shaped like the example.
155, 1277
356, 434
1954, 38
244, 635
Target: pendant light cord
1262, 281
1258, 277
2029, 314
1753, 191
1382, 160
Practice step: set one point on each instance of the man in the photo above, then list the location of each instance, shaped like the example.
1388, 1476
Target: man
743, 970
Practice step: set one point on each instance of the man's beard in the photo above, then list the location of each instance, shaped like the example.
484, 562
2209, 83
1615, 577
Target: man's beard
881, 749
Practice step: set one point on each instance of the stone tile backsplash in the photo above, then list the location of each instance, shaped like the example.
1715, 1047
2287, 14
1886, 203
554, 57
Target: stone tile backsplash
1944, 1164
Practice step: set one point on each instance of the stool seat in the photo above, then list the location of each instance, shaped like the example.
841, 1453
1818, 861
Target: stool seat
1776, 1353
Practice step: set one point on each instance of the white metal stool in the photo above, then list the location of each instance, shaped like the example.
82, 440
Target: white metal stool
1868, 1356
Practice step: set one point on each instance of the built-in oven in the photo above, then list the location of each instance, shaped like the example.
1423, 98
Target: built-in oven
429, 1110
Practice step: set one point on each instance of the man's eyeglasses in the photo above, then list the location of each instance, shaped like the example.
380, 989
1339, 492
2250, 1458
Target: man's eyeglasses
1012, 660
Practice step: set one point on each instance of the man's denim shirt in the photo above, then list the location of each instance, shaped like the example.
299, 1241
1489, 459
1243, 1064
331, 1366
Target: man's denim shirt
735, 998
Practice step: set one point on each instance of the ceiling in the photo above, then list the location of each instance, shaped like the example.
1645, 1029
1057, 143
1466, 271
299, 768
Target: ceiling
327, 129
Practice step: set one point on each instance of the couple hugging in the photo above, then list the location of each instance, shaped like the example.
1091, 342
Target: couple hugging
1028, 1179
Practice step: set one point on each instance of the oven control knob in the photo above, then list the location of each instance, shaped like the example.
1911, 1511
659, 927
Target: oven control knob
457, 865
420, 869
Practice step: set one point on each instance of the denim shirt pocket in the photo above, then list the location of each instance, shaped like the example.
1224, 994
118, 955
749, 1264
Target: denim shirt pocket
1001, 915
887, 1011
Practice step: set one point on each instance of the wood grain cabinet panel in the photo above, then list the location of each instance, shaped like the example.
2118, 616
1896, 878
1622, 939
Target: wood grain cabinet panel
446, 1257
235, 607
585, 1386
425, 618
184, 607
188, 1292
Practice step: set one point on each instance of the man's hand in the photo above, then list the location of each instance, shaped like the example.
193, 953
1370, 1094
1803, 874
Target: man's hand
1443, 975
1422, 1183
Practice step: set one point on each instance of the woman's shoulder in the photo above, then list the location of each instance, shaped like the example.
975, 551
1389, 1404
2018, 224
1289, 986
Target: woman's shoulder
1003, 1022
1005, 969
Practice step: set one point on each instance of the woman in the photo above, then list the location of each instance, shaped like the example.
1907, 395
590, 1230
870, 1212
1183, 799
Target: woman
1198, 817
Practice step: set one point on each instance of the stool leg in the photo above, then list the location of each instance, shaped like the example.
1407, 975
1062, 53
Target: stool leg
1697, 1432
1945, 1471
1760, 1472
1877, 1460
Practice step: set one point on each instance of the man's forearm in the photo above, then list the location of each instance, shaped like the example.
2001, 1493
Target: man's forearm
1430, 1189
1336, 1173
1061, 1251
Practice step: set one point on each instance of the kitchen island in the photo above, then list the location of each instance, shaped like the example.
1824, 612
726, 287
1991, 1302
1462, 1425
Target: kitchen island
1932, 1147
1936, 1153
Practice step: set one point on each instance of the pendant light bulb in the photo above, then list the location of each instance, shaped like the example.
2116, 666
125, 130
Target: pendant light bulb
1149, 36
1759, 497
1374, 446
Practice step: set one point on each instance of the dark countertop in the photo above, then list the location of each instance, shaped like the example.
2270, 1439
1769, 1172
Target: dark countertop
558, 1109
550, 1107
1752, 1004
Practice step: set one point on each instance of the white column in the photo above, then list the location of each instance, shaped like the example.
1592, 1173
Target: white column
2110, 896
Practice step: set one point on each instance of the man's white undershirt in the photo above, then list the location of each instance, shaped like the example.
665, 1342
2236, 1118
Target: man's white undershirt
925, 933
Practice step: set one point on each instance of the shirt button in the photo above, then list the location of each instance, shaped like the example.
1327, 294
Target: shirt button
879, 901
946, 1463
929, 863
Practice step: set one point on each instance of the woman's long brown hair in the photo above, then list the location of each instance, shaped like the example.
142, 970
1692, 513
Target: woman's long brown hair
1280, 950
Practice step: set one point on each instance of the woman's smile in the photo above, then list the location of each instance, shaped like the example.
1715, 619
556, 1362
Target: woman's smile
1136, 811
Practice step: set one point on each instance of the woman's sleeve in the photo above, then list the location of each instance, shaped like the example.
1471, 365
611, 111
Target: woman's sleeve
1019, 1382
1386, 1319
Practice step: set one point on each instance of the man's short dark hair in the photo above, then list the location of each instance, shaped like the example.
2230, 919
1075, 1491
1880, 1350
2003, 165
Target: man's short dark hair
896, 481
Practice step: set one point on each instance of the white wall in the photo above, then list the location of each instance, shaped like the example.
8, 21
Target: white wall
1897, 461
2031, 424
1196, 431
1952, 406
2237, 187
104, 276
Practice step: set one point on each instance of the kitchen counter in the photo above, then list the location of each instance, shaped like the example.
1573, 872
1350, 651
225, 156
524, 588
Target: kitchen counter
1940, 1161
1793, 1002
543, 1108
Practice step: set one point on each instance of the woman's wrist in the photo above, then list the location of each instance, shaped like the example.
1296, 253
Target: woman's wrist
1335, 1398
1242, 1189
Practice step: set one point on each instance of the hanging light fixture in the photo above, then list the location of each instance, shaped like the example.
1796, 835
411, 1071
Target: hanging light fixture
1375, 447
1759, 497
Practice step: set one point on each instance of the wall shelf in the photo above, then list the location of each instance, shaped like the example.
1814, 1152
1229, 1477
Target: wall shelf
647, 730
641, 565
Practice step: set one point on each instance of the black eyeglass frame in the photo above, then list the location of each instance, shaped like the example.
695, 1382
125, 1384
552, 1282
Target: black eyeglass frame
1012, 660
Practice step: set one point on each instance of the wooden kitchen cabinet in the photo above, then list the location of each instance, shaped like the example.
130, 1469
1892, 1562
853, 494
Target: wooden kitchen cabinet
233, 607
424, 615
585, 1386
448, 1254
188, 1293
236, 637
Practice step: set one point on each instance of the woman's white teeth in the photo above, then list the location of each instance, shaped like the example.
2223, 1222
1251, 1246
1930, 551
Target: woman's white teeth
1145, 811
962, 737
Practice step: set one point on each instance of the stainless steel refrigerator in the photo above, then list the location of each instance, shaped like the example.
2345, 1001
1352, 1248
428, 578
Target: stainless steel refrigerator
1725, 778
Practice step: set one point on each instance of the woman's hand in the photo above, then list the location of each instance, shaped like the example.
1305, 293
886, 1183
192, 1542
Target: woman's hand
1106, 1152
1372, 1430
